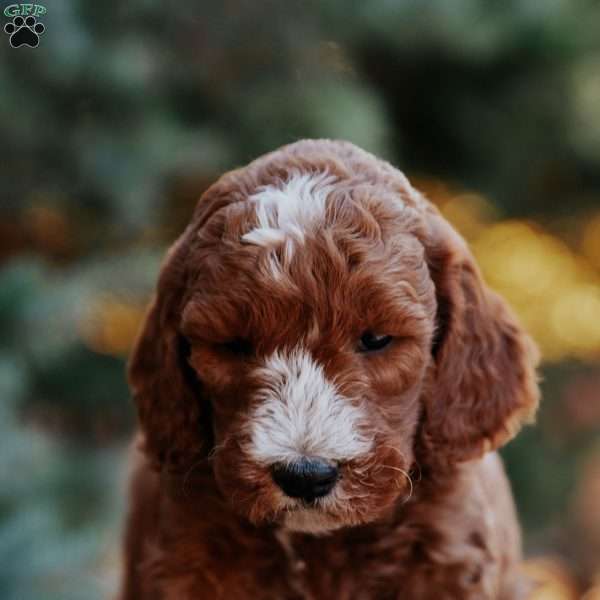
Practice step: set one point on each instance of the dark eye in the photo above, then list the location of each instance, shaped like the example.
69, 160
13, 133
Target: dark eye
238, 346
370, 341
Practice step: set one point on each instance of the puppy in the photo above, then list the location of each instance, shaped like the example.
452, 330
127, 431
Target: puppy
321, 382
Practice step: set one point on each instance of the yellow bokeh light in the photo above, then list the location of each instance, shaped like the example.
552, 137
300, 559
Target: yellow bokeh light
590, 241
110, 325
554, 290
576, 317
512, 253
552, 580
469, 213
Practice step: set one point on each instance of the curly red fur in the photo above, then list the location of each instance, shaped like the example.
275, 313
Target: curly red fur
423, 509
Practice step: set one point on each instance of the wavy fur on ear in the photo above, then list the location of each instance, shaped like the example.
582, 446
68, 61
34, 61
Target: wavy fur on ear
171, 410
485, 385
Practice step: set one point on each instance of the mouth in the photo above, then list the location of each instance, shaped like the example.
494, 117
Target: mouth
304, 518
310, 515
305, 504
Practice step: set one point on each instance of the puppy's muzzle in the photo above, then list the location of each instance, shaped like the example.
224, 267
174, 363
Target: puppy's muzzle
307, 478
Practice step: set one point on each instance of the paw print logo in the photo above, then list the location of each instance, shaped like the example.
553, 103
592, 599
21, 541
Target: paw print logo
24, 32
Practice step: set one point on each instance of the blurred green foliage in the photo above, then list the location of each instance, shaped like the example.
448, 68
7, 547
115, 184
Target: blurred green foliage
123, 115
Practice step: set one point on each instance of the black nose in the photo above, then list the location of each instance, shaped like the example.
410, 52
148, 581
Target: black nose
307, 478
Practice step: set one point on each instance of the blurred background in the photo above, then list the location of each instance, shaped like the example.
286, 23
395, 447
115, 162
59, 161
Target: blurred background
126, 111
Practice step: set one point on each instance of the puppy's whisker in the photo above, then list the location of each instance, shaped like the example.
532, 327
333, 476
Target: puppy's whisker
406, 475
395, 450
365, 484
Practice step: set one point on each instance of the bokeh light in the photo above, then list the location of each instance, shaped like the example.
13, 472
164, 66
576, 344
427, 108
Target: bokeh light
554, 289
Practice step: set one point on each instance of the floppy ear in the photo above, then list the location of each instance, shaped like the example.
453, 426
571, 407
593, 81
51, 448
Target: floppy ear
485, 384
173, 417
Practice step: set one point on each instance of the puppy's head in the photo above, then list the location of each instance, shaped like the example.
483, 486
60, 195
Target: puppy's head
318, 328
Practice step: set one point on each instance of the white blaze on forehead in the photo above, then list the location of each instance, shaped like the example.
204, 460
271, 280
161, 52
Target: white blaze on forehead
286, 211
301, 413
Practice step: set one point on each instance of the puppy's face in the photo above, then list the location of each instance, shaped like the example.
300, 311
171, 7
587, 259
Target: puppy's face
316, 328
311, 330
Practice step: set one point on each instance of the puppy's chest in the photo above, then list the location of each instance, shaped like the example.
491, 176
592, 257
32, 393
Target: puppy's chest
280, 567
364, 564
352, 566
389, 567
